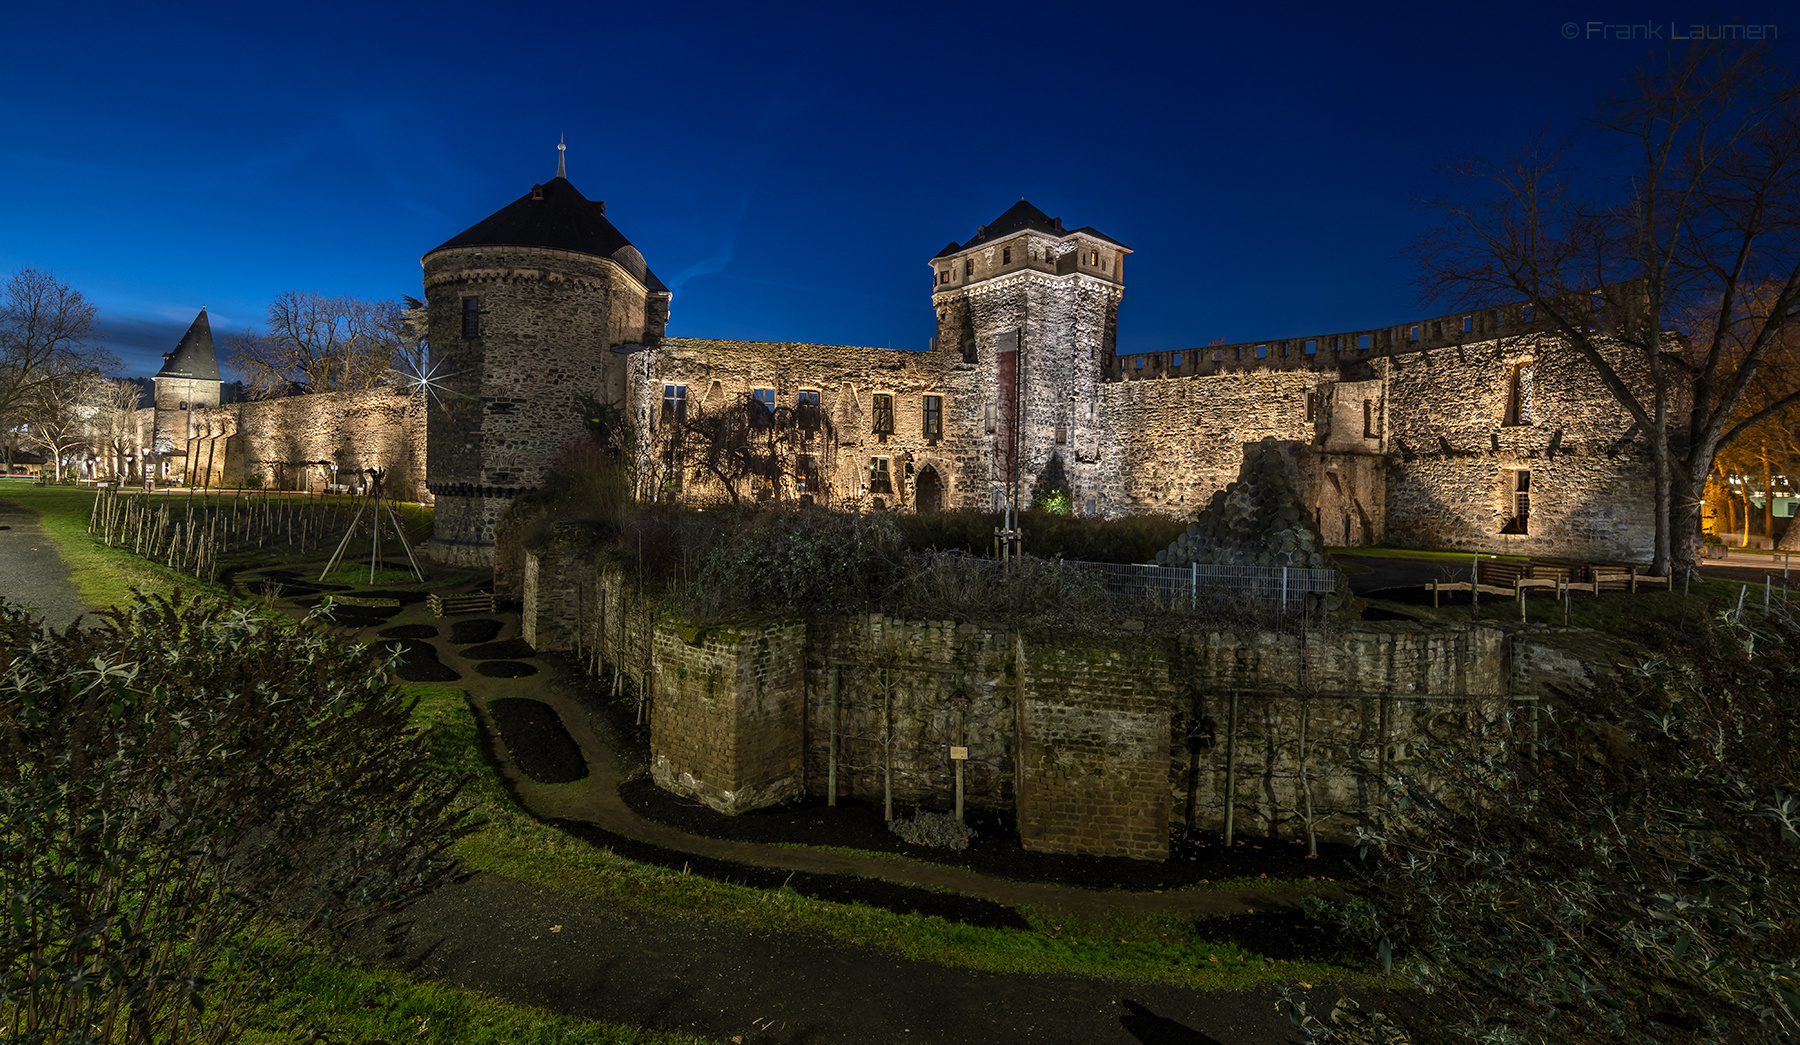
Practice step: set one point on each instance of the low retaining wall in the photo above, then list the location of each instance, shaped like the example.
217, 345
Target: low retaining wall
1100, 742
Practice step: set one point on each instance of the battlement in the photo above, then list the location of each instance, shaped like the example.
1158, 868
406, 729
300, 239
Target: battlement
1331, 351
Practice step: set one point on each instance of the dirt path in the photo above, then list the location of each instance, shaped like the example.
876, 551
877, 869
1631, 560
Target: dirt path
32, 574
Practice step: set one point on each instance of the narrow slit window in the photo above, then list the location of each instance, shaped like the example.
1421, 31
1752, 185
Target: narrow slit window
1521, 389
1369, 419
934, 417
471, 317
1518, 495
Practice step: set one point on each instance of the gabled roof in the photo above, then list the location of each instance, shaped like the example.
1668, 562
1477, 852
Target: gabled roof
553, 216
194, 358
1019, 217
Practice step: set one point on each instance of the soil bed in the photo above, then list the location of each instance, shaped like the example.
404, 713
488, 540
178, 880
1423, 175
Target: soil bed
511, 649
541, 746
419, 661
409, 631
506, 669
479, 629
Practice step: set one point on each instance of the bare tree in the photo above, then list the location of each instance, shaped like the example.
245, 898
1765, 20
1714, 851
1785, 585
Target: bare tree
744, 446
112, 425
47, 332
1676, 287
322, 344
66, 415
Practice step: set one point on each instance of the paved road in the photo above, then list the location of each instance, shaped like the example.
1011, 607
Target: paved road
32, 574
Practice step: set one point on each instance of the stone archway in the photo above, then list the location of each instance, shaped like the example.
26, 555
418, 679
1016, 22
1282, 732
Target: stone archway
928, 491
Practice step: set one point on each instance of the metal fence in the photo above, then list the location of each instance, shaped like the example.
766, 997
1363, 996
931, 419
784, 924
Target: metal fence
1197, 586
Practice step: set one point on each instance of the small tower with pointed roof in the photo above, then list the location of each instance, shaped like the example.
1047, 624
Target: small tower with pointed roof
1028, 312
188, 381
532, 312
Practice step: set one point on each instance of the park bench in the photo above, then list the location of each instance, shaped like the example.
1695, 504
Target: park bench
473, 602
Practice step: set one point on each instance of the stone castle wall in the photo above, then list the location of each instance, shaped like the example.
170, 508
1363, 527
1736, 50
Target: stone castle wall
289, 443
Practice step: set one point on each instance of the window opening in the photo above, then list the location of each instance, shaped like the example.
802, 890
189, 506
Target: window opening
1362, 342
674, 402
1062, 435
1468, 324
934, 416
1527, 313
883, 415
968, 348
1262, 351
762, 414
1177, 358
1218, 355
806, 473
471, 317
1140, 362
880, 479
988, 417
1312, 347
1413, 334
807, 410
1006, 256
968, 267
1369, 419
1519, 498
1520, 390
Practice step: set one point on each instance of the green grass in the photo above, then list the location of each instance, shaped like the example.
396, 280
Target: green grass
335, 1000
103, 576
1415, 553
1619, 613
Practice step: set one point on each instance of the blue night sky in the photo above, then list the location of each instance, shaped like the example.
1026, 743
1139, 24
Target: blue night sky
788, 170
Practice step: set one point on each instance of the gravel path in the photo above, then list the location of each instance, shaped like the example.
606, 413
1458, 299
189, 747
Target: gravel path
32, 574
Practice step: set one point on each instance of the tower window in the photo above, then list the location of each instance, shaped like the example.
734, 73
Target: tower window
1369, 419
883, 415
1062, 435
471, 317
1521, 383
1518, 497
943, 275
674, 403
968, 267
1006, 256
988, 417
968, 348
934, 416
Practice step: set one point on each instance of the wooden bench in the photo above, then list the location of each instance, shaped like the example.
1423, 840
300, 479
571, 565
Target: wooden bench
1618, 576
1494, 577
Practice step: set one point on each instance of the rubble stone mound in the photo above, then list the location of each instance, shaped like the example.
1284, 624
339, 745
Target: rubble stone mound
1257, 521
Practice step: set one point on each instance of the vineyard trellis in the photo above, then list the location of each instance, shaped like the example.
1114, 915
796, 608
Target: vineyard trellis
193, 534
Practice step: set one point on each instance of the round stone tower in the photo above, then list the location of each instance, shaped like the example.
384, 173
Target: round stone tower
531, 312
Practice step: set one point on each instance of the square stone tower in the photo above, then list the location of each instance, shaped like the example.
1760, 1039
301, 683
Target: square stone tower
188, 381
1027, 315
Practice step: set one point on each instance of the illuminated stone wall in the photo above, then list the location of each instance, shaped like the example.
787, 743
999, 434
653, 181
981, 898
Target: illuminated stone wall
284, 441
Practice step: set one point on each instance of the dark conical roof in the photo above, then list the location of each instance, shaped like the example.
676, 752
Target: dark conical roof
553, 216
1019, 217
195, 358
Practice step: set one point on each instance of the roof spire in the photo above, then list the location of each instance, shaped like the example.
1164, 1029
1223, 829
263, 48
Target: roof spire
561, 150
